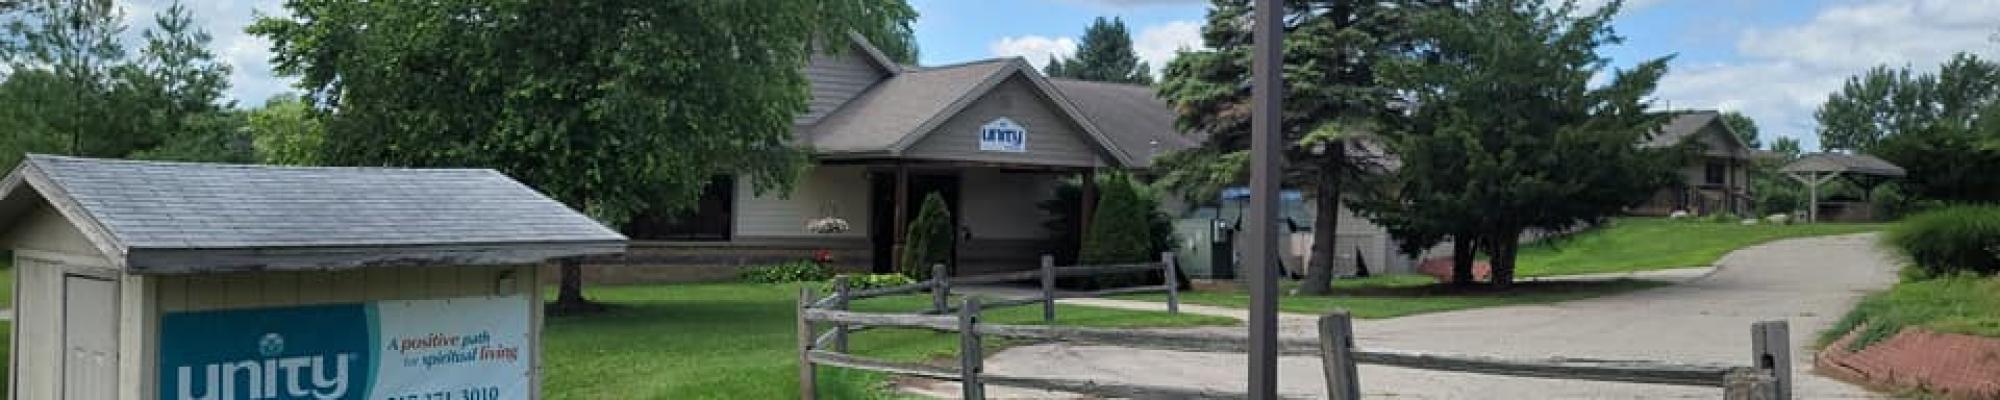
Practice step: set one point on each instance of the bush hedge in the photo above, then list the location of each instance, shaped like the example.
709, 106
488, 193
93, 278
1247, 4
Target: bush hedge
870, 281
929, 240
796, 271
1951, 240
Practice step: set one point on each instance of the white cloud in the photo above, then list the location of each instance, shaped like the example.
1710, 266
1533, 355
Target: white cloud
1786, 72
1037, 49
1159, 43
1156, 45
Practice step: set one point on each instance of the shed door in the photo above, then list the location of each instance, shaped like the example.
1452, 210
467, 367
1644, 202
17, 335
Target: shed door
90, 338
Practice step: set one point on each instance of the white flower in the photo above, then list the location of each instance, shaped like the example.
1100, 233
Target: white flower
828, 225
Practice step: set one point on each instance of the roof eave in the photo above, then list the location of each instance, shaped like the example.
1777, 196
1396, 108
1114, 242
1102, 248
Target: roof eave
183, 261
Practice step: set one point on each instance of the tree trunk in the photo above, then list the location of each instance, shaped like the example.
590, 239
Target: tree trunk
1504, 249
1319, 268
569, 293
1463, 249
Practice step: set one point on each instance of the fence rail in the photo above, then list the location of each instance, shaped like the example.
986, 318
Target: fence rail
1768, 376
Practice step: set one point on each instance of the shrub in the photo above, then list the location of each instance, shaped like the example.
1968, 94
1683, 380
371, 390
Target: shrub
796, 271
1065, 206
929, 240
1119, 233
870, 281
1951, 240
1119, 230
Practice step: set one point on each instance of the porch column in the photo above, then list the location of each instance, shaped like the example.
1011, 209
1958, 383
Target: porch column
1089, 202
900, 216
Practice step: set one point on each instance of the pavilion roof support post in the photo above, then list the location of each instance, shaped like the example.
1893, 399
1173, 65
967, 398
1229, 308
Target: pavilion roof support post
1813, 180
1267, 87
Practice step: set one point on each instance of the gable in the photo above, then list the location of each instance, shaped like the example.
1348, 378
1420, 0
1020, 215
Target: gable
1716, 140
836, 79
1052, 136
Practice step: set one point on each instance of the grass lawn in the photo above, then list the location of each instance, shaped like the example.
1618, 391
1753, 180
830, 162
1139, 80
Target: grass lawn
736, 341
1640, 244
1400, 295
1965, 304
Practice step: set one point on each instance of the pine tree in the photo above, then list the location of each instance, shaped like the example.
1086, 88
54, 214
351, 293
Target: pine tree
929, 240
1105, 54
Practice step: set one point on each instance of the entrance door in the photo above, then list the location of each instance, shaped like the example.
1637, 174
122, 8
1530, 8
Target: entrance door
882, 206
90, 338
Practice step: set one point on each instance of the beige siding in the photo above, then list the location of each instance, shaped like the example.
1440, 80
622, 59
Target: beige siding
837, 78
1053, 138
841, 191
1003, 205
46, 230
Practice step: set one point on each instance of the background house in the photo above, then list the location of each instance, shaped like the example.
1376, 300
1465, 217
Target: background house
1715, 180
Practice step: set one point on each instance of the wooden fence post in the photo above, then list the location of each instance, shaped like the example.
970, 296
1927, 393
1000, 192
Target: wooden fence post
808, 378
1173, 282
841, 291
1771, 348
1336, 345
1048, 288
1749, 384
970, 363
940, 288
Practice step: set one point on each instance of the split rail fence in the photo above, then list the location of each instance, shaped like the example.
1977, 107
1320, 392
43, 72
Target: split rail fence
1767, 377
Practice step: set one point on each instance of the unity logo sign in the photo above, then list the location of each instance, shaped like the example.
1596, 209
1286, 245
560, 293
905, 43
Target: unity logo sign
263, 376
453, 349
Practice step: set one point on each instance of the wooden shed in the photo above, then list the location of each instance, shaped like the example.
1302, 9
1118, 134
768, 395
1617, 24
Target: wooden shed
163, 280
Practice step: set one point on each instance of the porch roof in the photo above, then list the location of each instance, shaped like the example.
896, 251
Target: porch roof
1844, 163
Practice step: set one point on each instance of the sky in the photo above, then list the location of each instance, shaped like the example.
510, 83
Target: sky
1774, 60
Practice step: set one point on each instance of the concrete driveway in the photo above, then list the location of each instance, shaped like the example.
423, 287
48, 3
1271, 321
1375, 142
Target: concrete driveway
1810, 282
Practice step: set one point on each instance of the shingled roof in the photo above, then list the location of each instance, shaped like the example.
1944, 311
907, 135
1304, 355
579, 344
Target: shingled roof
174, 217
1131, 115
1848, 163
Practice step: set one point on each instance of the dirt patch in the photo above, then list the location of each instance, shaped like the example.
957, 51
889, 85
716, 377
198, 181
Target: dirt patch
1951, 365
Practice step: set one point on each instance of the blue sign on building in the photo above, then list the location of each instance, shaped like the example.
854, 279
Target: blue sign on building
310, 352
1003, 135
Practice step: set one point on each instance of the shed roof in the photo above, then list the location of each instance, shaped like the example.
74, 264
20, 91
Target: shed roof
1847, 163
176, 217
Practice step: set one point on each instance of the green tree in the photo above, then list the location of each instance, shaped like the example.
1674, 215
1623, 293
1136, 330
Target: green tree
1744, 127
607, 106
177, 87
67, 51
1787, 146
1105, 54
930, 239
1333, 99
287, 131
1508, 134
1936, 125
1119, 230
1064, 208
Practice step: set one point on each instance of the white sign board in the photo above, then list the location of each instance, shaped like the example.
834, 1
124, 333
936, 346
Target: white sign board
472, 348
1003, 135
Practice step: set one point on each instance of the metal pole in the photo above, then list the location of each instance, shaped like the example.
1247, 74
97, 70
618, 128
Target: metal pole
1048, 288
1267, 92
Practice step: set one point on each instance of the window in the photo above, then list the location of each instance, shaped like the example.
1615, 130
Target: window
1718, 172
709, 220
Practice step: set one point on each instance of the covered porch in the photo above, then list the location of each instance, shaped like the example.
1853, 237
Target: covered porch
997, 210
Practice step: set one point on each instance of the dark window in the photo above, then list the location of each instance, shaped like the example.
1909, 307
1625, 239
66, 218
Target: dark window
1717, 172
709, 220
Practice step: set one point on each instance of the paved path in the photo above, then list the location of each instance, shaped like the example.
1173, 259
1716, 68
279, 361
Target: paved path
1809, 282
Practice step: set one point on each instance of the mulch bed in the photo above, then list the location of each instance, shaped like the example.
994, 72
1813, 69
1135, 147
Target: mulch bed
1951, 365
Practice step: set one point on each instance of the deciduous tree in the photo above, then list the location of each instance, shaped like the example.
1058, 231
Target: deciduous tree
608, 106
